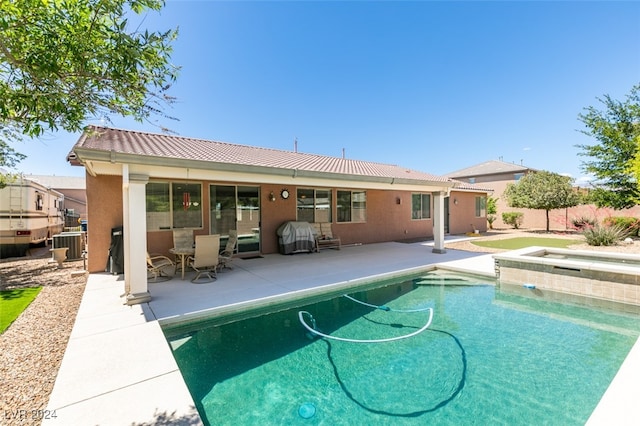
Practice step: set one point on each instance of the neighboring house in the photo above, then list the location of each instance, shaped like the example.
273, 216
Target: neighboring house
496, 175
151, 184
74, 190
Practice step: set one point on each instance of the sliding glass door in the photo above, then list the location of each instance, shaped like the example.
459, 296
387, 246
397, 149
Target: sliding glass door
236, 207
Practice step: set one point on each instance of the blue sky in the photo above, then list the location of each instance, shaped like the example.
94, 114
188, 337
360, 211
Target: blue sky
433, 86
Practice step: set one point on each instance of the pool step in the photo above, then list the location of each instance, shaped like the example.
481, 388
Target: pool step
443, 279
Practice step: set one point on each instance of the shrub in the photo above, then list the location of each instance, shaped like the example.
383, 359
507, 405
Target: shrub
630, 225
491, 218
513, 218
583, 222
603, 235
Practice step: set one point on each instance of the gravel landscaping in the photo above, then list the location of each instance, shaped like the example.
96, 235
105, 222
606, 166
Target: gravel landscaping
33, 346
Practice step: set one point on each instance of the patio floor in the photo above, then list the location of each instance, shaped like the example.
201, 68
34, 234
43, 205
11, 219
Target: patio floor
118, 367
273, 276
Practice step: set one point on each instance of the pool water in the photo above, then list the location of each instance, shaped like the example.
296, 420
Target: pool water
489, 357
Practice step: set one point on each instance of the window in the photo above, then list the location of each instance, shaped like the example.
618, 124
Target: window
352, 206
39, 201
517, 176
472, 180
187, 205
173, 205
481, 206
420, 206
314, 205
158, 206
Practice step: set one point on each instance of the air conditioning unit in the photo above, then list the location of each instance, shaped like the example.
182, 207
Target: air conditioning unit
72, 240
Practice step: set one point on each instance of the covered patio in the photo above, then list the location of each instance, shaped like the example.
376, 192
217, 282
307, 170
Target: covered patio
142, 186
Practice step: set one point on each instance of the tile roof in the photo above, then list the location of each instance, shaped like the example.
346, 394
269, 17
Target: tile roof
183, 148
488, 168
472, 187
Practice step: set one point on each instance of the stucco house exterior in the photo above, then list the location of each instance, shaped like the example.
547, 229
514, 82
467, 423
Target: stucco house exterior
152, 183
497, 174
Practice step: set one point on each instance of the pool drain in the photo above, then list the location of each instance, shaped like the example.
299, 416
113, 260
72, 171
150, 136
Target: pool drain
307, 410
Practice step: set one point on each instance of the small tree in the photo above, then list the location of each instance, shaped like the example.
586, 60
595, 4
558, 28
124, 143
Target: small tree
64, 62
492, 209
615, 159
542, 191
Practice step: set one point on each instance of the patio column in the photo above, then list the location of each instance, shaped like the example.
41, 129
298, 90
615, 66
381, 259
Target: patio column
135, 237
438, 222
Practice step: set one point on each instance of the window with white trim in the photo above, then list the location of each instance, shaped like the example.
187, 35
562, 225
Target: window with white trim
481, 206
420, 206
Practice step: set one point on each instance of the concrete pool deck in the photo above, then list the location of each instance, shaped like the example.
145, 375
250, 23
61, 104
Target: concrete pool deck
118, 367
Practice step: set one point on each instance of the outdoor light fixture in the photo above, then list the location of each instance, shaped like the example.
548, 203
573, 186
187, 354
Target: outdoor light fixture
455, 201
272, 196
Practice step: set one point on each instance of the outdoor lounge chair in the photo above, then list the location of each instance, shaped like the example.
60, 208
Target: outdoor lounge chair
324, 236
205, 259
157, 265
225, 258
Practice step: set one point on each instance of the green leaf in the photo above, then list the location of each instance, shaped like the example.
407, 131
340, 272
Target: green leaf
65, 61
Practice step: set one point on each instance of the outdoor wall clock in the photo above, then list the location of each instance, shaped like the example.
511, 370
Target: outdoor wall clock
284, 194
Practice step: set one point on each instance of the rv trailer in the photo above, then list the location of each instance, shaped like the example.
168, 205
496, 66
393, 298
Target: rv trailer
30, 214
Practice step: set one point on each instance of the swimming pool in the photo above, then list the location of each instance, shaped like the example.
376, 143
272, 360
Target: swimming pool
490, 355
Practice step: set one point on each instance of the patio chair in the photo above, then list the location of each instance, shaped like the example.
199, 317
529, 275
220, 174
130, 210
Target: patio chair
157, 265
183, 238
182, 243
226, 256
205, 259
325, 238
317, 233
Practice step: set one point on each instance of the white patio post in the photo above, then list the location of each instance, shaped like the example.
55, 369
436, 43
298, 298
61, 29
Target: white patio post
438, 222
135, 237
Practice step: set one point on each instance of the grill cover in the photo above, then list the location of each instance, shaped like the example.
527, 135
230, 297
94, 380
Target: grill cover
296, 237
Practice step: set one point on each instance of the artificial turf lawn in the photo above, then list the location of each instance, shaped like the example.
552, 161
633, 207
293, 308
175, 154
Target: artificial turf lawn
13, 302
522, 242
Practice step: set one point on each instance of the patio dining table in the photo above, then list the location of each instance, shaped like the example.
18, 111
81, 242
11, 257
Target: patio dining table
183, 253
